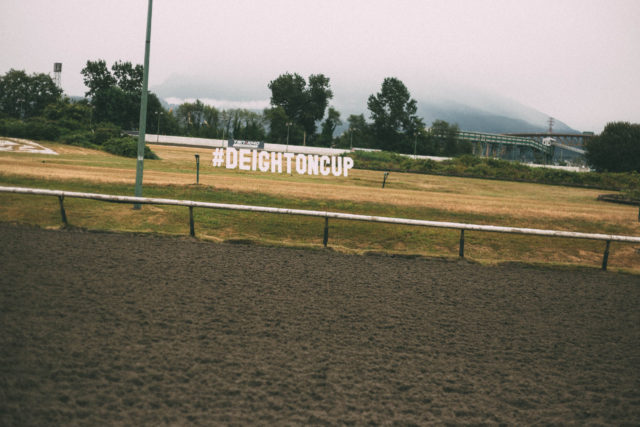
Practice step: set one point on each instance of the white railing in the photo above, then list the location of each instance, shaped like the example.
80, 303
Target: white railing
608, 238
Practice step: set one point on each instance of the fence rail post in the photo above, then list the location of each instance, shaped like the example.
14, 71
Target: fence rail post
63, 214
325, 240
192, 230
605, 259
608, 238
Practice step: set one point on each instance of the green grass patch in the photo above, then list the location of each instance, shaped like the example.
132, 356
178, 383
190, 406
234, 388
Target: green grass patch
273, 229
476, 167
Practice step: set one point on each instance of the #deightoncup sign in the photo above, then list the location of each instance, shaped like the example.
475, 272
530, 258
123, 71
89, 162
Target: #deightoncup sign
266, 161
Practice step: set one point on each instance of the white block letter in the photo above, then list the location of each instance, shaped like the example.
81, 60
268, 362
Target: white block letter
263, 161
276, 162
312, 164
244, 161
348, 164
232, 158
324, 165
336, 165
301, 164
289, 156
254, 160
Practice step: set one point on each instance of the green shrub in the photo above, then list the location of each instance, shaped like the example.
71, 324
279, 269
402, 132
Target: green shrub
79, 139
34, 128
478, 167
106, 131
12, 127
469, 160
127, 147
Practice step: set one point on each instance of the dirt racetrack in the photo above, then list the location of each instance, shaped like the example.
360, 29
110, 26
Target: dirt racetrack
102, 328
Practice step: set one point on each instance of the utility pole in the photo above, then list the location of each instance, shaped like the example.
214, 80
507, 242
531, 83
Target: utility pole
551, 121
142, 128
158, 114
288, 125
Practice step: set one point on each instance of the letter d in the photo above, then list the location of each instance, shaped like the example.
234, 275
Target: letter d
232, 158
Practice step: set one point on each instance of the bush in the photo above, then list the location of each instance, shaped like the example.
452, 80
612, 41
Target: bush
469, 160
106, 131
127, 147
12, 127
34, 128
79, 139
477, 167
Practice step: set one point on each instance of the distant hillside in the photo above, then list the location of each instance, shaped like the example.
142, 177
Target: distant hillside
478, 120
472, 111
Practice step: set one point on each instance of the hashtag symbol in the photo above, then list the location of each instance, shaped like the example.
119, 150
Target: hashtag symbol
218, 157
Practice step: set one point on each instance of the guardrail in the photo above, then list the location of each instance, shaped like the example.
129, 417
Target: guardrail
503, 139
608, 238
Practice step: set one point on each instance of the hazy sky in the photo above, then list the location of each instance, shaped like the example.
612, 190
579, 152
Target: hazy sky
577, 60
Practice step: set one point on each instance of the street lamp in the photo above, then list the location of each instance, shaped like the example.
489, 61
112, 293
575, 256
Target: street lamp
158, 114
415, 144
351, 140
288, 125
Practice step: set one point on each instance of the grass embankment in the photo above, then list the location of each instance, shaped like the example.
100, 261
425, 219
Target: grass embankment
477, 167
406, 195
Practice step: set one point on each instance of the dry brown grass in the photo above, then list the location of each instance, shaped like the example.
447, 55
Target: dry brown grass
474, 196
487, 201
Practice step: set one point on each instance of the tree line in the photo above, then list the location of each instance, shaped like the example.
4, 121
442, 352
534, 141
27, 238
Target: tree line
299, 113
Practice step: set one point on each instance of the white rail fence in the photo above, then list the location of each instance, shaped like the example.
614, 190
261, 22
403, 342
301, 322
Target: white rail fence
608, 238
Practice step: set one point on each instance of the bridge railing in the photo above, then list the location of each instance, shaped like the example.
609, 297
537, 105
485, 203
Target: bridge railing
503, 139
608, 238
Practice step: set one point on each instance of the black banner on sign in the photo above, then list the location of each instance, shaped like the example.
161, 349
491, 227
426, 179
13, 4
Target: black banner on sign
253, 145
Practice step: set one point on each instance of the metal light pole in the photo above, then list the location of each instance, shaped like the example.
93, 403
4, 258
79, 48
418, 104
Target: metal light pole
142, 128
415, 144
351, 140
158, 114
288, 125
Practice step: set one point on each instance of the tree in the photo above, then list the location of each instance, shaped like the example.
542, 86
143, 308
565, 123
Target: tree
116, 96
303, 104
128, 78
247, 125
70, 115
616, 149
23, 96
329, 126
97, 77
393, 112
359, 132
445, 137
278, 129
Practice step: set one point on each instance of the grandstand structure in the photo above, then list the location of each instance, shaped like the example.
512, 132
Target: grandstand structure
529, 147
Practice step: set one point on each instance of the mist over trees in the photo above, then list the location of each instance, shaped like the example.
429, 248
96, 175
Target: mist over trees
32, 106
300, 113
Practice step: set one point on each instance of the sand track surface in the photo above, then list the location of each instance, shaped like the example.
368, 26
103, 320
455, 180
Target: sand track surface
102, 328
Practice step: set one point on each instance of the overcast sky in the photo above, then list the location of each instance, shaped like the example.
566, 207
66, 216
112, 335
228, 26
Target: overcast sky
576, 60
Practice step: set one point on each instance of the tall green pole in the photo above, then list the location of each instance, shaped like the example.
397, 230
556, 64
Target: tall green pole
143, 110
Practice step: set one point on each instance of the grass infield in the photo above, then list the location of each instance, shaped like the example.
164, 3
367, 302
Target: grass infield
405, 195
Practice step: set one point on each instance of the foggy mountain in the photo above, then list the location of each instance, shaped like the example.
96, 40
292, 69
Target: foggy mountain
521, 120
489, 113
